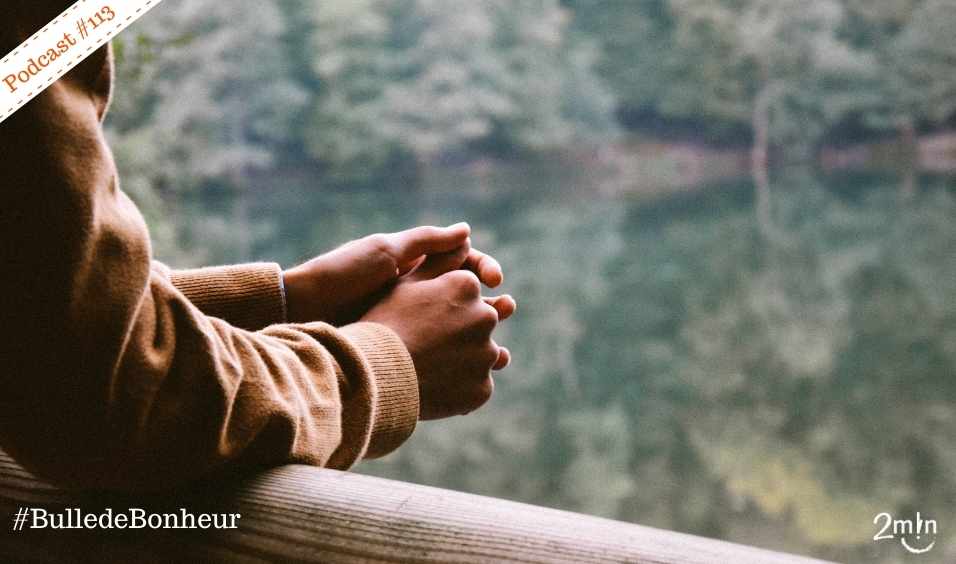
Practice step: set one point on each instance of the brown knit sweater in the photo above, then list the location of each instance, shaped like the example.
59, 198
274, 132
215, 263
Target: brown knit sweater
116, 372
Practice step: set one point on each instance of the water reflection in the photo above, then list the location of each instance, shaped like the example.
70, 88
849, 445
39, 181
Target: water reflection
674, 365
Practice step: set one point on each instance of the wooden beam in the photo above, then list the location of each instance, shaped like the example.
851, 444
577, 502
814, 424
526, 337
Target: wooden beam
305, 514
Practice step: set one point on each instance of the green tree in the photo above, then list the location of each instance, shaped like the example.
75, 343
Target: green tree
636, 46
226, 62
927, 53
426, 78
204, 95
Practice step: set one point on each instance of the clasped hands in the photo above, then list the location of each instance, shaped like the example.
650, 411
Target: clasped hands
425, 285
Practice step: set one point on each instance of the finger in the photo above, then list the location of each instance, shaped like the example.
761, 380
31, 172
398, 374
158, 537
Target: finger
494, 355
486, 267
404, 269
505, 305
411, 244
437, 264
504, 359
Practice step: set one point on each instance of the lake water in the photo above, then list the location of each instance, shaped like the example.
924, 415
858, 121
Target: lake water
677, 363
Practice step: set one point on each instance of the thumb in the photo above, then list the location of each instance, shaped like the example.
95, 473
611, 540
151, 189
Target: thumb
442, 263
412, 244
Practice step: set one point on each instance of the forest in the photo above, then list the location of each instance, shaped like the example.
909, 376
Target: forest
367, 90
728, 225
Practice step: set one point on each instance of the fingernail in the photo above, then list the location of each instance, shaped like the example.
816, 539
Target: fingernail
460, 225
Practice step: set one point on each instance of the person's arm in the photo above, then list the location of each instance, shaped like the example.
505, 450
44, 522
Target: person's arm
111, 377
337, 287
250, 296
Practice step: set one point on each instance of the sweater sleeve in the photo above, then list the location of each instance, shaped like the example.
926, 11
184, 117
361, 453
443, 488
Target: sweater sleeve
250, 296
112, 377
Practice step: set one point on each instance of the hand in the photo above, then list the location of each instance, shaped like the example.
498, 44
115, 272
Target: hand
439, 314
340, 286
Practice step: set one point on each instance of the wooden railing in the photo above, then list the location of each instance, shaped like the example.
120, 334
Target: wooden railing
305, 514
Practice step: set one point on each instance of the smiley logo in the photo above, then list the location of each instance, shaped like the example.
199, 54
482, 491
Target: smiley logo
912, 550
892, 529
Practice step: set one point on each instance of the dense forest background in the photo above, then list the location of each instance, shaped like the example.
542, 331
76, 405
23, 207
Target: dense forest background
729, 225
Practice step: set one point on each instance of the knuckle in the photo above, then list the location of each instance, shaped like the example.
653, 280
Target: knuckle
488, 318
466, 282
379, 242
484, 390
381, 246
490, 355
427, 232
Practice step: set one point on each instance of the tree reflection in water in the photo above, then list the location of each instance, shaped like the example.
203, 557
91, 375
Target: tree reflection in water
676, 368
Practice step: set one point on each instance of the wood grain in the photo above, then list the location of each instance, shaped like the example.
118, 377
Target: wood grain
305, 514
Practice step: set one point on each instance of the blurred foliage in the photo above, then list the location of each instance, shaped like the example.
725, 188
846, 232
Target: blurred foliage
429, 77
827, 60
674, 365
676, 369
357, 89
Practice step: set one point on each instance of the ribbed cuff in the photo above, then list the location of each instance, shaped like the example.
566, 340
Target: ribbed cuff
396, 411
249, 296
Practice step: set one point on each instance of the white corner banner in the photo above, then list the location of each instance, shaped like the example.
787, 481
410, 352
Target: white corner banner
61, 45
